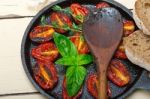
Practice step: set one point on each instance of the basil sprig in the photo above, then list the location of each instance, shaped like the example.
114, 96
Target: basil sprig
68, 11
43, 20
75, 73
74, 28
58, 8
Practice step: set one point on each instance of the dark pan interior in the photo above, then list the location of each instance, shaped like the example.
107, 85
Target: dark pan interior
29, 62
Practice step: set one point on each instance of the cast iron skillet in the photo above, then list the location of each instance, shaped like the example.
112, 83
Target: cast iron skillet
139, 76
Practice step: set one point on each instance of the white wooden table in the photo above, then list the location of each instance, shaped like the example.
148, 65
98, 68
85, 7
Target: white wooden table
15, 15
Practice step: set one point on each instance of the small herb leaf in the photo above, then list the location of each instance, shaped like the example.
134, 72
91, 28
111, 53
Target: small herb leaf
74, 79
58, 8
43, 20
77, 27
74, 28
64, 45
84, 59
79, 18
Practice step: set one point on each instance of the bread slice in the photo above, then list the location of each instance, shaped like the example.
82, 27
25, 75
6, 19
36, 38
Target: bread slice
137, 49
141, 15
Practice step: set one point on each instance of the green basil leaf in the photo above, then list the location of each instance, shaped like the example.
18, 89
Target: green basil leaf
64, 45
68, 10
54, 24
75, 76
84, 59
43, 20
58, 8
77, 27
66, 27
79, 17
67, 61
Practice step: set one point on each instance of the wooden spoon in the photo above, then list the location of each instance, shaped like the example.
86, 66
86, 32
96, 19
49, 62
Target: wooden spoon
103, 32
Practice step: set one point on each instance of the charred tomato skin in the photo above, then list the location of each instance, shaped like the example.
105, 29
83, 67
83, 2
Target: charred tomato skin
65, 94
128, 27
41, 34
45, 75
120, 54
92, 84
78, 11
80, 43
45, 52
61, 20
102, 5
118, 73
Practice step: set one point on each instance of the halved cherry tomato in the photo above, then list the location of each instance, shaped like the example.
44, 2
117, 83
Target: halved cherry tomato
120, 53
92, 84
80, 43
45, 52
60, 21
118, 73
102, 5
129, 27
65, 94
45, 75
78, 12
41, 34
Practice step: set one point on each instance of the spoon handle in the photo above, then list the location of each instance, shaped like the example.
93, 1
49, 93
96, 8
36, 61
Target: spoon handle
102, 80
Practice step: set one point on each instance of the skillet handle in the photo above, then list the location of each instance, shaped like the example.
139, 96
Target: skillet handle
143, 82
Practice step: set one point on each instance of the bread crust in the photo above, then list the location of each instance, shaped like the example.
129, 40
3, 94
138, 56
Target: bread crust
137, 49
137, 61
141, 16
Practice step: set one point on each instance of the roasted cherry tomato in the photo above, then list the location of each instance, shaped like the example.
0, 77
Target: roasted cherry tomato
78, 12
129, 27
120, 53
80, 43
45, 52
65, 94
45, 75
92, 84
102, 5
60, 21
41, 34
118, 73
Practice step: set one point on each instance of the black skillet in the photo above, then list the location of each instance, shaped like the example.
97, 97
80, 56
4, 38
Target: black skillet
139, 76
